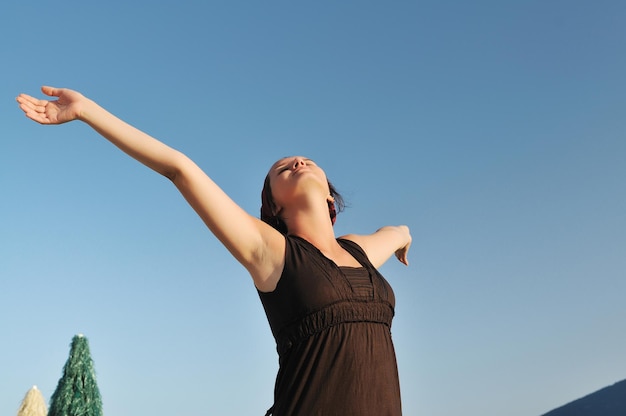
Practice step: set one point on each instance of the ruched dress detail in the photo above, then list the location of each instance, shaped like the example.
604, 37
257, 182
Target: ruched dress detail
332, 327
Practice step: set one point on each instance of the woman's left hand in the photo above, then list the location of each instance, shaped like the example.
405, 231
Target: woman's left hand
401, 254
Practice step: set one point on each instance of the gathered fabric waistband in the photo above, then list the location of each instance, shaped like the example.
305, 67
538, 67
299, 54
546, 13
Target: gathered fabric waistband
340, 312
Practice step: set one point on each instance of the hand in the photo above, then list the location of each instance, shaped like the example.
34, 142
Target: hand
66, 108
401, 254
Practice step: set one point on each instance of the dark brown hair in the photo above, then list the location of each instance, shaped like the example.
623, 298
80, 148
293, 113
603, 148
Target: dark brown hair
268, 207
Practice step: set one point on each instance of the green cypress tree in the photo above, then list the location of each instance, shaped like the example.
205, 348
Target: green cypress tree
77, 393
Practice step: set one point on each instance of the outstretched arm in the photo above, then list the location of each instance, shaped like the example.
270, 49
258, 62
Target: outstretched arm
386, 241
253, 243
72, 105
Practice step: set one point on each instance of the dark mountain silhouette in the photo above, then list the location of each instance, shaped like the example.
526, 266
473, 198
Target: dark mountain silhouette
609, 401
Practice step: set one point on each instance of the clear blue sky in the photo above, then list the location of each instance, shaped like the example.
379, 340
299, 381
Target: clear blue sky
494, 129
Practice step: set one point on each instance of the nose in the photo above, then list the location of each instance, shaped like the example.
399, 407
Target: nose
298, 161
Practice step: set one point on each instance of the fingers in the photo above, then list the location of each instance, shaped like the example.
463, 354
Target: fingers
25, 98
33, 108
28, 103
51, 91
31, 102
401, 255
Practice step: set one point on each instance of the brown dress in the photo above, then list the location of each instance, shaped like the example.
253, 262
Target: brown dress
332, 329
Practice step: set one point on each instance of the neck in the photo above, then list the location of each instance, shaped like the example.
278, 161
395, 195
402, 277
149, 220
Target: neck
313, 225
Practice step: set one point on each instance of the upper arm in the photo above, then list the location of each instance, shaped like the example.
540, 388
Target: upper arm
255, 244
383, 243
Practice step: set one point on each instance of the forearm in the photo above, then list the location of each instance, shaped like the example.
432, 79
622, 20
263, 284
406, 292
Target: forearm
238, 231
382, 244
397, 236
137, 144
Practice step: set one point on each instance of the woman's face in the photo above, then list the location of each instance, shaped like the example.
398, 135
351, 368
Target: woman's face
291, 176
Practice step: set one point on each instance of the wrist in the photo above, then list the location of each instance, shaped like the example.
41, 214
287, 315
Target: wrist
86, 109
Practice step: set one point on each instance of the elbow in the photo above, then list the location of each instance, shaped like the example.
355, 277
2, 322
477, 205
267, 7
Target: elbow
171, 174
173, 170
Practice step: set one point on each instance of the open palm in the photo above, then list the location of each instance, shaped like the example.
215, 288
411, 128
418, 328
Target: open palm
65, 108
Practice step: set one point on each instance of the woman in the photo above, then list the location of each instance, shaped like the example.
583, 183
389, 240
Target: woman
328, 307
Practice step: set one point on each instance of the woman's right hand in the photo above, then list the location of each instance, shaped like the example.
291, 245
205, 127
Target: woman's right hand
66, 108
